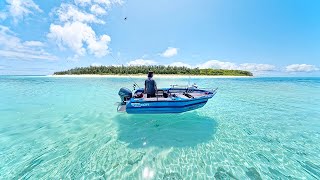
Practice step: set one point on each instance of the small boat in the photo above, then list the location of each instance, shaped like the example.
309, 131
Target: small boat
168, 100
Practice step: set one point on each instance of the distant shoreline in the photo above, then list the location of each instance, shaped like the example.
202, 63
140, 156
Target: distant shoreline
144, 76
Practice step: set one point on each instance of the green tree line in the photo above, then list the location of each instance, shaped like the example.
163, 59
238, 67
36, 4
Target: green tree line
157, 69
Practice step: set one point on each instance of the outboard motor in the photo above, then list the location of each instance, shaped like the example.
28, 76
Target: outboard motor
125, 94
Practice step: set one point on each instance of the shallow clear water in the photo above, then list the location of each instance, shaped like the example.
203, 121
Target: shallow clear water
68, 128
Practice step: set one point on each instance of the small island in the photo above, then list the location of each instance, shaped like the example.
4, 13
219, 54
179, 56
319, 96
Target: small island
158, 69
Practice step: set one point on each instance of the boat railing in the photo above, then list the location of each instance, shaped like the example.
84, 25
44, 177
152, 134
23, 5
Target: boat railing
210, 89
193, 87
178, 86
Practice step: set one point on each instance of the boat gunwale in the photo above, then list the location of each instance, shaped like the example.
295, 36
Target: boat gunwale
175, 101
208, 96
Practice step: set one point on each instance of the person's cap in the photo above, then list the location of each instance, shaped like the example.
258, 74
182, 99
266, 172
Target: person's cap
150, 73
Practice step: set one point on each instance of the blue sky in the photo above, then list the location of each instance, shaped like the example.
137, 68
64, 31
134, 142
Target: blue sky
267, 37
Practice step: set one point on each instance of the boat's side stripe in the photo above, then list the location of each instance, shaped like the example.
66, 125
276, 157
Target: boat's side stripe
174, 101
202, 102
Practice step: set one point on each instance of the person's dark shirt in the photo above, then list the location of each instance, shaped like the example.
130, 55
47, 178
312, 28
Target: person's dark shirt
150, 86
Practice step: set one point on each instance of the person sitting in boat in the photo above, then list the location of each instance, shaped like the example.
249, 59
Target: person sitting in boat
150, 86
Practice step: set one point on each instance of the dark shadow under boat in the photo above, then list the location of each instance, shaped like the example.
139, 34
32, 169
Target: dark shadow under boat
165, 130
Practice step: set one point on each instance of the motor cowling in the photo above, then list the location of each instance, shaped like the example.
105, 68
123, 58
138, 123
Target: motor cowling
125, 94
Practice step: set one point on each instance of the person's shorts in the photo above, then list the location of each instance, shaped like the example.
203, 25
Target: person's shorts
151, 95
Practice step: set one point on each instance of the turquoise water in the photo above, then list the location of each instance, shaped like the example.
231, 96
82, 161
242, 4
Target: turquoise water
68, 128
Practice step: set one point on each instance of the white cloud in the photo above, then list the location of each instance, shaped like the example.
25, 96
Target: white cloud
3, 16
141, 62
70, 13
73, 58
73, 29
256, 67
33, 43
74, 35
180, 64
106, 3
99, 47
96, 9
301, 68
82, 2
13, 47
253, 67
18, 9
170, 52
215, 64
26, 55
96, 64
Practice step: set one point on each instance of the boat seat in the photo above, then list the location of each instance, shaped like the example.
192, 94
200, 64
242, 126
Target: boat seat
138, 95
160, 93
188, 95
